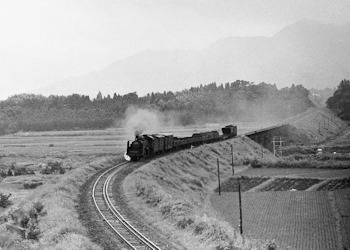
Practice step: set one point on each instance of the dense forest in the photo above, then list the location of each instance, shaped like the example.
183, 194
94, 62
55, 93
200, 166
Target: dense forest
230, 102
340, 101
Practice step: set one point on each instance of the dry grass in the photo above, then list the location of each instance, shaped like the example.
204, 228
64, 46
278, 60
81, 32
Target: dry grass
176, 190
60, 227
318, 125
81, 153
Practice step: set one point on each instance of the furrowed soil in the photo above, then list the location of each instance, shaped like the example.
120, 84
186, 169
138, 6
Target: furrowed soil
298, 220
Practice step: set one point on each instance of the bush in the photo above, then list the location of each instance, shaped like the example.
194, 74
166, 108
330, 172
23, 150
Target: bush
184, 222
200, 228
4, 200
32, 185
256, 164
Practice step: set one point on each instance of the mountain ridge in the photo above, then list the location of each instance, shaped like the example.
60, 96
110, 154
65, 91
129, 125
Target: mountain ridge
310, 53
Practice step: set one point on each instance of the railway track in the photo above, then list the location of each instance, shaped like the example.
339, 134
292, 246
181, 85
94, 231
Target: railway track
103, 201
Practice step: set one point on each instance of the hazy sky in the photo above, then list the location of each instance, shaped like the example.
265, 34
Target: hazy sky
43, 41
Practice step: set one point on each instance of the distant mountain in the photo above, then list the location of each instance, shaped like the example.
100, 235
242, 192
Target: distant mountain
310, 53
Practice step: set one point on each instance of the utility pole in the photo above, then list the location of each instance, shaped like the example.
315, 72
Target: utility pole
277, 146
240, 206
233, 169
219, 176
319, 127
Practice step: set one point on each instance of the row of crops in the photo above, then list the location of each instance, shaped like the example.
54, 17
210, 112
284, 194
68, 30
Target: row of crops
283, 184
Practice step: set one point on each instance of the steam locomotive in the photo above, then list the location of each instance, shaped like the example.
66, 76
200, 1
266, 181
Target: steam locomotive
148, 145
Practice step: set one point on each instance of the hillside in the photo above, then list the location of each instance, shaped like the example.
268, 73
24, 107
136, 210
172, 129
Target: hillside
176, 187
172, 192
308, 52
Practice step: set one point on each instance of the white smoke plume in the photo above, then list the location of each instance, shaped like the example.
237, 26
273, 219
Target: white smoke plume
140, 121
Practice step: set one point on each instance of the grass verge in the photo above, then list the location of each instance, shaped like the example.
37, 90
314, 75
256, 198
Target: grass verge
59, 227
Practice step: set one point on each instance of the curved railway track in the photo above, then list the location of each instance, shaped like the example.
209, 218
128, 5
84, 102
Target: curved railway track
103, 201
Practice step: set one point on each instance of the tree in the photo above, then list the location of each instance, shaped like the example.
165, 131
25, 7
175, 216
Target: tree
340, 101
99, 96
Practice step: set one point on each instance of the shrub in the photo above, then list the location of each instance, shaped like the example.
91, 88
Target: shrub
33, 232
4, 200
256, 164
271, 246
200, 228
39, 207
184, 222
32, 185
3, 174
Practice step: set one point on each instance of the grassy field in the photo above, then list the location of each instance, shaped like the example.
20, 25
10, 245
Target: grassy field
81, 154
172, 194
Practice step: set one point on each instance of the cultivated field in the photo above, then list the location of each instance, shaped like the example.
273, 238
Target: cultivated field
277, 206
295, 220
79, 154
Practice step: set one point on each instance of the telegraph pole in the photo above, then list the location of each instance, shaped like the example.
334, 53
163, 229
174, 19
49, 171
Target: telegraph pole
233, 169
219, 176
240, 206
277, 146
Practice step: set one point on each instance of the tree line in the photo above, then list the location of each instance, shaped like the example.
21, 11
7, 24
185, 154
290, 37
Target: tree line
239, 100
340, 101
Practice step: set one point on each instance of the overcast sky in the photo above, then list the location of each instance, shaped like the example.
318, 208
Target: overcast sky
44, 41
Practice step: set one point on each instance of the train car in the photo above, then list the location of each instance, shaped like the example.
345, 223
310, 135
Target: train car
169, 142
229, 131
148, 145
213, 136
158, 144
180, 142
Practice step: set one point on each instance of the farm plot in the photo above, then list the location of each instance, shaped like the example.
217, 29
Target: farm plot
231, 185
298, 172
332, 185
342, 200
286, 184
298, 220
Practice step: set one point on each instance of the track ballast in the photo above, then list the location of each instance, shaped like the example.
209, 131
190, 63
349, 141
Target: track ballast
102, 197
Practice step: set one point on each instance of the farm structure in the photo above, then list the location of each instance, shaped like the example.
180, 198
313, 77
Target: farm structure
146, 145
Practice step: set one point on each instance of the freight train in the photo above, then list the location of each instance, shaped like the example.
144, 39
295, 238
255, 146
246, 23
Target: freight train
146, 145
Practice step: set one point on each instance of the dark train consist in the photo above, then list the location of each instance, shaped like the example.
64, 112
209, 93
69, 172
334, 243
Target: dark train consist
148, 145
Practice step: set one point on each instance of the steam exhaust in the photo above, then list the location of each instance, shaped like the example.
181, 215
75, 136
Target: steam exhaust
126, 157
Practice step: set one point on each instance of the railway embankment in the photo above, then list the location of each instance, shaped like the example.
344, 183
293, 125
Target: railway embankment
172, 193
313, 127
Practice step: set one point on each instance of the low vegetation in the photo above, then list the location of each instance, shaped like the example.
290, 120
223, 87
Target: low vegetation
5, 200
44, 200
176, 188
52, 221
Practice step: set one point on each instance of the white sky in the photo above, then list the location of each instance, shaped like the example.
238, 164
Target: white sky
45, 41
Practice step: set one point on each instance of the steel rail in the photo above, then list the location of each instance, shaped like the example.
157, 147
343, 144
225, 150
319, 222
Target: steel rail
109, 174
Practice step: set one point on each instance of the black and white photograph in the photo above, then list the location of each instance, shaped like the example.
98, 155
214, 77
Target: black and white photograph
174, 124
